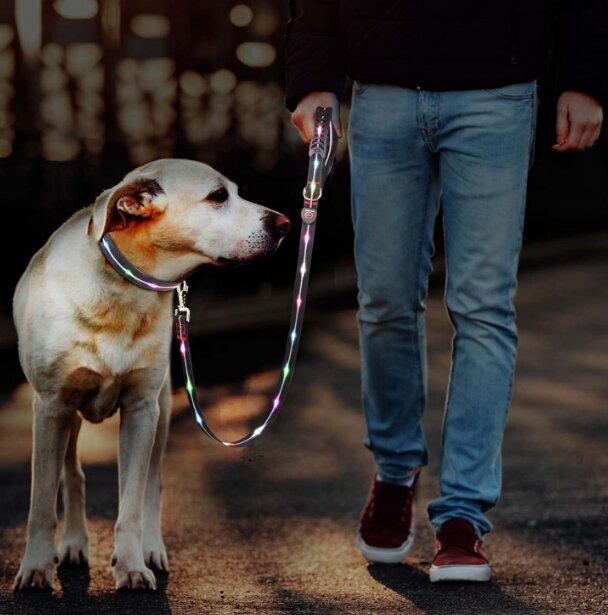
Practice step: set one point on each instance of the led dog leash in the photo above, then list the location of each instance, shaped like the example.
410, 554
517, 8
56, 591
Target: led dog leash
321, 154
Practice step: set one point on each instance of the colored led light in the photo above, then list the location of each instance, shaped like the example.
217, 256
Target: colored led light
285, 371
275, 402
189, 386
182, 349
303, 268
299, 301
293, 336
306, 237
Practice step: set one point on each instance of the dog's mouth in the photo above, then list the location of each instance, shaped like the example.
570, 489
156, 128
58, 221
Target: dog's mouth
230, 262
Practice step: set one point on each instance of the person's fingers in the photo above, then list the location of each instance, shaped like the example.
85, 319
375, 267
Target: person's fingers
593, 136
587, 138
303, 117
561, 125
302, 123
575, 133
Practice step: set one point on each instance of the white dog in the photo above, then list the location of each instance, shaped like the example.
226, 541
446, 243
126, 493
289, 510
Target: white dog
91, 343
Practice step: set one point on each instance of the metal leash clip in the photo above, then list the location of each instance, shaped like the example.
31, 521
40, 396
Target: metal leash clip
182, 293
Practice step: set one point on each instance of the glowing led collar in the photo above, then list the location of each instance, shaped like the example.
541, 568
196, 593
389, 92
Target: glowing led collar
128, 271
321, 153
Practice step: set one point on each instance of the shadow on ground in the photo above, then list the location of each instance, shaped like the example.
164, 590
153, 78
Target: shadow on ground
74, 598
447, 598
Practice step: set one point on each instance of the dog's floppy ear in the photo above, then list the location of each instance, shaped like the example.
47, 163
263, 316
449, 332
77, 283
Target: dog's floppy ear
126, 204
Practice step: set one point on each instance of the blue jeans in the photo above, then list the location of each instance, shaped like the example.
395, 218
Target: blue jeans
473, 149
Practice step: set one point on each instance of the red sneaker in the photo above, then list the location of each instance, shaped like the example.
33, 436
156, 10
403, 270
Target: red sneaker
458, 554
385, 532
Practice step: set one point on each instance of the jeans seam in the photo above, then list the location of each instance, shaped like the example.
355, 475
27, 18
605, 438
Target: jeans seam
419, 289
532, 149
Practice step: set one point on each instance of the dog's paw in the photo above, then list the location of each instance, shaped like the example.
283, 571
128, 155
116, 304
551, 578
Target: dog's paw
73, 550
35, 575
155, 555
142, 578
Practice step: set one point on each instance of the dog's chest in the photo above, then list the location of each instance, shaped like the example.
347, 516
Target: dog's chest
115, 339
113, 351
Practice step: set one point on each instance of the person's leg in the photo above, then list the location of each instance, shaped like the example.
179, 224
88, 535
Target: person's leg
485, 144
394, 204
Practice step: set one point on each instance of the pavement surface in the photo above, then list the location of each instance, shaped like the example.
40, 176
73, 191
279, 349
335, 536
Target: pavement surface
270, 529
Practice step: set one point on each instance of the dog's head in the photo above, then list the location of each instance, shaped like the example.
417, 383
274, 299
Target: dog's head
171, 216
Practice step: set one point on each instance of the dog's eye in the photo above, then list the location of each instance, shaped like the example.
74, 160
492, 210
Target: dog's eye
218, 196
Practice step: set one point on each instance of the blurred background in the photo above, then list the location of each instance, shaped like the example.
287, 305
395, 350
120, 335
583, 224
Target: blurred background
91, 88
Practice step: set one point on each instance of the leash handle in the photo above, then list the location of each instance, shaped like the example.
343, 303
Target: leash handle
321, 153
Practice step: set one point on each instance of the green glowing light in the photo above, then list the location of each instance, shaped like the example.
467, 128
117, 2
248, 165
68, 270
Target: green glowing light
285, 371
189, 386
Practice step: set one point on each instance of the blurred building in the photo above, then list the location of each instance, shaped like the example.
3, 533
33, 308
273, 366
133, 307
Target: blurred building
91, 88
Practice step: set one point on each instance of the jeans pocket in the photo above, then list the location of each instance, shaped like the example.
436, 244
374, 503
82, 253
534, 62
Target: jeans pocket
515, 91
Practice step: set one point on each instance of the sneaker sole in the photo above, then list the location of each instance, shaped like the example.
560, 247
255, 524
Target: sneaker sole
381, 555
475, 572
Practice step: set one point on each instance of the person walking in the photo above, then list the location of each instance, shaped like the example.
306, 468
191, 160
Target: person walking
444, 104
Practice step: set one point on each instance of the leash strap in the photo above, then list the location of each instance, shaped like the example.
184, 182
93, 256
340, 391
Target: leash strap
291, 349
322, 152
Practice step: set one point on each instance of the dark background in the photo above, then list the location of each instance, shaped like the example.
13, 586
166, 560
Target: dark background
90, 89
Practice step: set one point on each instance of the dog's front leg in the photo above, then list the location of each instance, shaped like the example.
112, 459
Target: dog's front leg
138, 423
155, 553
73, 549
51, 429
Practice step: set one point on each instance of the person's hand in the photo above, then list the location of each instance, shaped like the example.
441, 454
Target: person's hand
579, 121
303, 118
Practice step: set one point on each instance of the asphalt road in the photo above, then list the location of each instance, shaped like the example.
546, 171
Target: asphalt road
269, 529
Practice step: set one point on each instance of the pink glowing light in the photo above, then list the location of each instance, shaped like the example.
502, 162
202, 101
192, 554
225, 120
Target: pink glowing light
182, 349
299, 301
306, 237
275, 402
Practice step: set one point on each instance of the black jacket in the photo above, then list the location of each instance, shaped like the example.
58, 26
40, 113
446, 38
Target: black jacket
444, 44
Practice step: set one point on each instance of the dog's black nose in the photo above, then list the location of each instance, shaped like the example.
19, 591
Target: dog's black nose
282, 225
277, 225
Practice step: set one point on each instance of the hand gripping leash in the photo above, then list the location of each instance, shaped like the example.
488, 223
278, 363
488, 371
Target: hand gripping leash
321, 152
